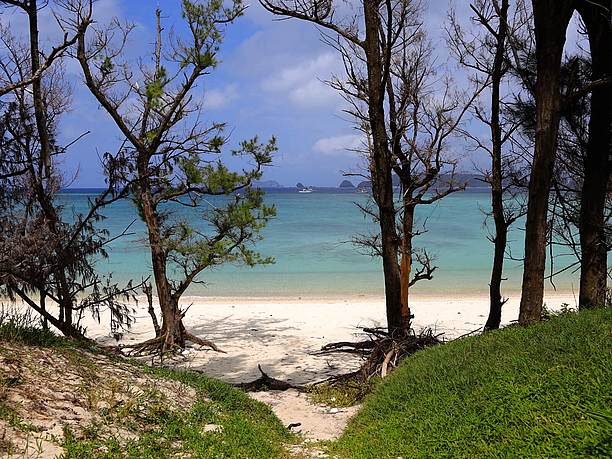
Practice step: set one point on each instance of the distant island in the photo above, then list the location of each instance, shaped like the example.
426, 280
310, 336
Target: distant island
267, 184
470, 181
346, 184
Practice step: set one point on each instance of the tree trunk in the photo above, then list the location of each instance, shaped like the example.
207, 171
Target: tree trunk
551, 19
496, 301
497, 198
382, 186
40, 172
172, 334
172, 329
593, 266
406, 264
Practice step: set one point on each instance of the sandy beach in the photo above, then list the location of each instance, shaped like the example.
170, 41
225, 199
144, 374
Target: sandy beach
282, 334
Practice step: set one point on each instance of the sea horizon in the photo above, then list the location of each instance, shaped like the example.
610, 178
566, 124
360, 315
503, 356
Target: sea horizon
310, 240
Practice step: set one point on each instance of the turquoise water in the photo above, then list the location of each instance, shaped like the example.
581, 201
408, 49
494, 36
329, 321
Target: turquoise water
310, 241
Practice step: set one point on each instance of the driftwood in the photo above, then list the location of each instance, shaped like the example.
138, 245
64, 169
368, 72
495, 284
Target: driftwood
265, 383
381, 351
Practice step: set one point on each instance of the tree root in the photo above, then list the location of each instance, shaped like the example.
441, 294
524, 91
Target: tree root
265, 383
160, 346
202, 342
381, 352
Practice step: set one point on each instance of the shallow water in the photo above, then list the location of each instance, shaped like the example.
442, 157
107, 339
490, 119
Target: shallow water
310, 241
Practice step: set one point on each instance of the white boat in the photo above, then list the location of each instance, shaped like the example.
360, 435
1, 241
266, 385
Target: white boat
308, 189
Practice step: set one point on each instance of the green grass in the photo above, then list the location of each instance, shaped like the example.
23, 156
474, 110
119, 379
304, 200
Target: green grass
24, 329
342, 394
249, 429
540, 391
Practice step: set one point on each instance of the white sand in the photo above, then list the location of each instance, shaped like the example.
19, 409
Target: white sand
282, 334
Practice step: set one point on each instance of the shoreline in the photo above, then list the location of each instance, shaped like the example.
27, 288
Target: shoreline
415, 297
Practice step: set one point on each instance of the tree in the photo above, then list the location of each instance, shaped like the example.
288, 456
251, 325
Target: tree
487, 53
571, 190
407, 114
551, 19
44, 256
31, 8
550, 22
597, 17
173, 159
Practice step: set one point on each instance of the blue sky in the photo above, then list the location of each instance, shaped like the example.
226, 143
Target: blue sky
269, 82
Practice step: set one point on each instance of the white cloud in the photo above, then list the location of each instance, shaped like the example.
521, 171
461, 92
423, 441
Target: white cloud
219, 98
339, 145
302, 83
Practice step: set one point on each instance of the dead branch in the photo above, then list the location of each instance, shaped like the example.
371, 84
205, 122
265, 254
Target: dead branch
265, 383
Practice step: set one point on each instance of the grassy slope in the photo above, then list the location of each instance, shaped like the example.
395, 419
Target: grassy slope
541, 391
249, 428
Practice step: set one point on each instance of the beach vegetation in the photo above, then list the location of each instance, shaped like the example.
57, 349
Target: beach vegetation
124, 409
539, 391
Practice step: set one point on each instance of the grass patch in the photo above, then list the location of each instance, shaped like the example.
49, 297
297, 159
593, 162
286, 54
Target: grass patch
539, 391
246, 428
221, 422
341, 395
16, 327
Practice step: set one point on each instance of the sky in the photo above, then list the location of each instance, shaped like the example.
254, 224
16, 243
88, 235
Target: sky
270, 82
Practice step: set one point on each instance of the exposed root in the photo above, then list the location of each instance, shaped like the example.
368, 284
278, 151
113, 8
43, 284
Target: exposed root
265, 383
202, 342
160, 345
381, 352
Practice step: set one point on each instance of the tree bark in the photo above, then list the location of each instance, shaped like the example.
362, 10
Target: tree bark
172, 333
382, 185
594, 266
41, 174
551, 18
406, 264
497, 197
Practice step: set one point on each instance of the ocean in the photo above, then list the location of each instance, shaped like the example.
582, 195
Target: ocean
310, 240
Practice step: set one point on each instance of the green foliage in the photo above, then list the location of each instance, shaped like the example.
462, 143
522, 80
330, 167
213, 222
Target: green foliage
155, 90
205, 20
247, 428
235, 221
106, 67
540, 391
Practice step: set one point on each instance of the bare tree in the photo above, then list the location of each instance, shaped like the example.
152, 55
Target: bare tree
43, 255
487, 53
407, 113
173, 158
40, 61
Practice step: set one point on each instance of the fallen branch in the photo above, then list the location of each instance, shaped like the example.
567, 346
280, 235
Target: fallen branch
265, 383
